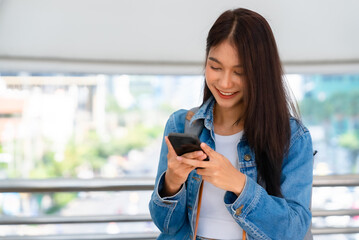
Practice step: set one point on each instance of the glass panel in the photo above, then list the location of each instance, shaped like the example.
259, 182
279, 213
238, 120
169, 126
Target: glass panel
330, 108
329, 105
86, 126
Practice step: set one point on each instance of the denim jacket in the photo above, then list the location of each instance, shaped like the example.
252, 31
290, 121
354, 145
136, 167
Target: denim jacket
261, 215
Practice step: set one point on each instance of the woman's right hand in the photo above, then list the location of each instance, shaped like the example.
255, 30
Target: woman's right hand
177, 172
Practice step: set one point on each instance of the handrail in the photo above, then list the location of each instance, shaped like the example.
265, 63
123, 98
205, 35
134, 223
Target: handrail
130, 184
349, 180
338, 212
76, 185
322, 231
122, 236
74, 219
131, 218
136, 184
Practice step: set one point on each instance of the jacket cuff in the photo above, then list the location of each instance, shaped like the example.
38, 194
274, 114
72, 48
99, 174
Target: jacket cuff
168, 199
240, 206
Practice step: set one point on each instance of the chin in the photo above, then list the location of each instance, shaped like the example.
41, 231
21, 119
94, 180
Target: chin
236, 101
228, 105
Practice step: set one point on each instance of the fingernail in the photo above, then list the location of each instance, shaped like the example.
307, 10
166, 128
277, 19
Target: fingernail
179, 158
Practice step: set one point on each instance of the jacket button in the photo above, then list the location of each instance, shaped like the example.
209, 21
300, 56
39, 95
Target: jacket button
239, 210
247, 157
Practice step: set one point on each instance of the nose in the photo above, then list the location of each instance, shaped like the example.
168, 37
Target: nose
225, 81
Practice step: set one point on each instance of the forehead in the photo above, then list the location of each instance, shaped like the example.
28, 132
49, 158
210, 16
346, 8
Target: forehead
225, 52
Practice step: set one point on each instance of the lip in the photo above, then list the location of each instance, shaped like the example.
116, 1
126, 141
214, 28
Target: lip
226, 96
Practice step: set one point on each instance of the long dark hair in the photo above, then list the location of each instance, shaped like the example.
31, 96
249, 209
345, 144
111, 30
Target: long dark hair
267, 105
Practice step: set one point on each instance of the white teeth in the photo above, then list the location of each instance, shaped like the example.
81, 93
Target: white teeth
226, 94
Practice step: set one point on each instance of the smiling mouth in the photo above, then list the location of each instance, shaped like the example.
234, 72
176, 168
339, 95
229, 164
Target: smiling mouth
226, 94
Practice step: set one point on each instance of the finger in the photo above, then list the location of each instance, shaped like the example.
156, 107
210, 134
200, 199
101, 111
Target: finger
190, 168
193, 163
196, 154
208, 150
169, 146
204, 176
201, 171
203, 157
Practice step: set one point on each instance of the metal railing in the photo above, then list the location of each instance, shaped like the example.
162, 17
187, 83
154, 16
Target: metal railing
335, 181
137, 184
122, 236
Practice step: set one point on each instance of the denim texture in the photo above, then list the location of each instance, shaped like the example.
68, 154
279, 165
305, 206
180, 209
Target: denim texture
261, 215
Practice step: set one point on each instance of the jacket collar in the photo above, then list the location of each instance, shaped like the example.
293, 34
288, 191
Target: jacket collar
205, 112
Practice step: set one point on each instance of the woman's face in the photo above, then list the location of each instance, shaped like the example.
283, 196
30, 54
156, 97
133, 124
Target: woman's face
224, 76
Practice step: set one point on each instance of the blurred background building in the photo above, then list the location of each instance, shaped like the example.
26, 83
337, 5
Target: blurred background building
87, 86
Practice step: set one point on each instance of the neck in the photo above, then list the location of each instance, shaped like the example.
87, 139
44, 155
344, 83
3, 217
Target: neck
225, 121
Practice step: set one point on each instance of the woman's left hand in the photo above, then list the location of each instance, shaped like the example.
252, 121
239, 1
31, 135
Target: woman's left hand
218, 171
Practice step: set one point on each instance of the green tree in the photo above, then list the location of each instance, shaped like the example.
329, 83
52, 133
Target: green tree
3, 165
340, 115
315, 111
351, 142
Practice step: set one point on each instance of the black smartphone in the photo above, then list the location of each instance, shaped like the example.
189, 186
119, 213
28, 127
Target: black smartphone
184, 143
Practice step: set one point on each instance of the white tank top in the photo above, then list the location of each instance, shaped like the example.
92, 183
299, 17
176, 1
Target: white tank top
214, 220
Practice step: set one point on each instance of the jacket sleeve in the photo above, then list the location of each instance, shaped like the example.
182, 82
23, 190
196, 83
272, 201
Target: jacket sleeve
168, 213
264, 216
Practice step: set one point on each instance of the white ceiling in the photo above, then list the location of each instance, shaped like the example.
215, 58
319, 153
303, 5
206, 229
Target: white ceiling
167, 36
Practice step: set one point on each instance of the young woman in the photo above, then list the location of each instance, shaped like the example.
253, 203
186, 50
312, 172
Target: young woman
259, 175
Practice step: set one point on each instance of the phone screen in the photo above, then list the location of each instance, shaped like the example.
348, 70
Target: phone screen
184, 143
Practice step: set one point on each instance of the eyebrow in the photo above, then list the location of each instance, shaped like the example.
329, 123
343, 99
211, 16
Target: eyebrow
217, 61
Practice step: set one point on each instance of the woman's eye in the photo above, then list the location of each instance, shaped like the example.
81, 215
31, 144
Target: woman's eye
238, 74
214, 68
